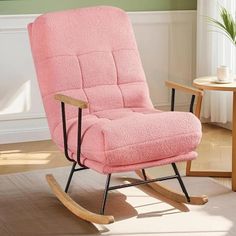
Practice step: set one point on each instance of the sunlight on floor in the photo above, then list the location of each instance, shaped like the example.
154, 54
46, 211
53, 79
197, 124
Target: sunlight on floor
10, 151
30, 156
16, 157
23, 162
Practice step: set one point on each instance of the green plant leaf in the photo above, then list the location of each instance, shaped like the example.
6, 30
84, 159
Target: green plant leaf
228, 24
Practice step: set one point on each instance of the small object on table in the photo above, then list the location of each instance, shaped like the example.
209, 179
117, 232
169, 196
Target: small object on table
223, 74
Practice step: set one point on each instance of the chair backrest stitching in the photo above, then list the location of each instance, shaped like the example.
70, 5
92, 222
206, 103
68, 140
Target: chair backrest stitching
117, 81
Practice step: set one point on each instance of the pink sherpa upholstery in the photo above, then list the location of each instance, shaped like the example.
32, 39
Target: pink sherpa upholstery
91, 54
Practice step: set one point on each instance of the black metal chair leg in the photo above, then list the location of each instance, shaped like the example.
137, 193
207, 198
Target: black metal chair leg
70, 177
144, 174
172, 100
105, 194
181, 182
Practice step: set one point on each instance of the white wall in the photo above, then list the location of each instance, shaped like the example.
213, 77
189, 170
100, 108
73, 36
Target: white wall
167, 43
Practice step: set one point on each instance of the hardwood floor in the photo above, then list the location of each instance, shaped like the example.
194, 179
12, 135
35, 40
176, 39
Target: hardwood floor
28, 156
214, 154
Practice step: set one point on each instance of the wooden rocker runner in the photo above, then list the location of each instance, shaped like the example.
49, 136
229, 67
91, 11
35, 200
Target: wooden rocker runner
87, 60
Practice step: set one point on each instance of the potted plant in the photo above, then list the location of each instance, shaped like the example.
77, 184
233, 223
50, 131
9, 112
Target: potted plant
228, 24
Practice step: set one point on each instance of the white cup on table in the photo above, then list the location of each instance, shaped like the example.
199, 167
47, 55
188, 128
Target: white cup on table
223, 74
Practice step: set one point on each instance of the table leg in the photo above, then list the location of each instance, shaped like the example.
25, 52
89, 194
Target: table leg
234, 144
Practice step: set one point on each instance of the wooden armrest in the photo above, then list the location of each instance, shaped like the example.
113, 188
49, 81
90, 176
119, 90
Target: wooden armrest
71, 101
184, 88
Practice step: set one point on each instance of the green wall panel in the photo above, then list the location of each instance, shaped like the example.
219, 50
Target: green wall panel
40, 6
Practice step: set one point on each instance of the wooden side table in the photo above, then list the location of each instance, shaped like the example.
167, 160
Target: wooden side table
207, 83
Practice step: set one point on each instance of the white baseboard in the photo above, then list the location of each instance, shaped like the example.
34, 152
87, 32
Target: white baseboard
227, 125
25, 135
24, 130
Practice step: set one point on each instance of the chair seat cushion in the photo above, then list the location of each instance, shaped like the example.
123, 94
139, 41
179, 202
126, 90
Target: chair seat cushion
131, 136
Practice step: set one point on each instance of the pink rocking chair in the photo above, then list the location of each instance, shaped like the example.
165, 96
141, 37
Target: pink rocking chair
87, 59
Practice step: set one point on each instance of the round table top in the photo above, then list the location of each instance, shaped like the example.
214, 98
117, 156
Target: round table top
210, 83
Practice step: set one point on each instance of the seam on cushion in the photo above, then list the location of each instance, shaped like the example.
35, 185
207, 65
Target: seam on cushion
115, 109
114, 50
85, 131
82, 136
82, 81
81, 54
131, 83
71, 153
105, 167
125, 49
134, 83
70, 150
104, 152
60, 122
76, 119
133, 109
96, 115
135, 144
72, 89
171, 157
101, 117
117, 78
150, 141
106, 162
60, 91
56, 126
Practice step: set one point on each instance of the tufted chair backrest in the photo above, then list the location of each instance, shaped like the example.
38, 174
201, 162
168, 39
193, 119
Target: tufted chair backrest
90, 54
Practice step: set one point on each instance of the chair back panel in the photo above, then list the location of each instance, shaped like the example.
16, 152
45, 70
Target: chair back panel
90, 54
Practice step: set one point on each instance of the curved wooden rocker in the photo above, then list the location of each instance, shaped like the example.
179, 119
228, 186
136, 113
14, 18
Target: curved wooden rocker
74, 207
175, 196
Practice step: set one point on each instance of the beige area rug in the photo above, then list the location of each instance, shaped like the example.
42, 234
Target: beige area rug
27, 207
